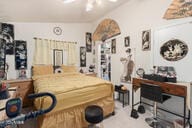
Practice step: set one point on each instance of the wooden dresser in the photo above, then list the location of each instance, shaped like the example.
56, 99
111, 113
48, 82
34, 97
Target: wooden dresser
24, 88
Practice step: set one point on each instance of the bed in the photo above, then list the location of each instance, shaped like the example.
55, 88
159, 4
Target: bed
74, 91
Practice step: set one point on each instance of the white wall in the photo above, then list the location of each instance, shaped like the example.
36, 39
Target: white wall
134, 17
27, 31
179, 31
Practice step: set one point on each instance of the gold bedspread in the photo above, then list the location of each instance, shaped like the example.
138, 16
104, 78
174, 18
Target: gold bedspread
74, 92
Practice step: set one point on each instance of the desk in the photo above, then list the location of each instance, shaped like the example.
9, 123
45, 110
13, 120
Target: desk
176, 89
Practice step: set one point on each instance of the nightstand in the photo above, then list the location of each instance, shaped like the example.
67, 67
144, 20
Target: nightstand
24, 88
93, 74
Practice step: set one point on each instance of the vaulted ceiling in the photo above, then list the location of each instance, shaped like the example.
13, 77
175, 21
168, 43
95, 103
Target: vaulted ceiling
53, 10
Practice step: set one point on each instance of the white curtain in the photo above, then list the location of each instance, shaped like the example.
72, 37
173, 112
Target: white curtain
44, 51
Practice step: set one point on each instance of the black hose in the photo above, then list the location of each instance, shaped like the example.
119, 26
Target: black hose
23, 117
54, 100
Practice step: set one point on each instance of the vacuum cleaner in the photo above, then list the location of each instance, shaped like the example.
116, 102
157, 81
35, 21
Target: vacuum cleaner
14, 106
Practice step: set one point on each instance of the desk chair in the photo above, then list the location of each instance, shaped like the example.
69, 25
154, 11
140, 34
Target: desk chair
154, 93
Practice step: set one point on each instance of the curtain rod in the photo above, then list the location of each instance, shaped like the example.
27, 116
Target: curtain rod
55, 40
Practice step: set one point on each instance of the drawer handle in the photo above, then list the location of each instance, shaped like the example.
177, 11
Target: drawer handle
167, 89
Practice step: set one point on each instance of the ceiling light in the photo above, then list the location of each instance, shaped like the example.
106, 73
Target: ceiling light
89, 7
68, 1
90, 3
113, 0
99, 2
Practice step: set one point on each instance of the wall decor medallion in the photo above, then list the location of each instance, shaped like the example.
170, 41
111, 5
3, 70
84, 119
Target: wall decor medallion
174, 50
57, 30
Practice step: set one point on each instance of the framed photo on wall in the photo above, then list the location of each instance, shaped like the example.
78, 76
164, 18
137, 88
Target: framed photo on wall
82, 57
20, 54
127, 41
146, 40
113, 46
88, 42
57, 57
7, 33
2, 54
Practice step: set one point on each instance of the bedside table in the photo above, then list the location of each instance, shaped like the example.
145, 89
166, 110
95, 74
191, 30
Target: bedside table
93, 74
24, 88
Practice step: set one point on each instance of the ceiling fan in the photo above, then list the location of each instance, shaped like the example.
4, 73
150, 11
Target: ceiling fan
90, 3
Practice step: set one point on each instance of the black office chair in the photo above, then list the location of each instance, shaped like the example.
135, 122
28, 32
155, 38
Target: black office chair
154, 93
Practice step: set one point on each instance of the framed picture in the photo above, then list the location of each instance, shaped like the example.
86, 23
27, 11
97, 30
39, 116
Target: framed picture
128, 66
2, 54
57, 57
88, 42
146, 40
7, 33
20, 54
21, 74
127, 41
82, 57
113, 46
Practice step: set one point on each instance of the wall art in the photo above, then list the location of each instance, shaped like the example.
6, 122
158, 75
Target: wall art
21, 74
113, 46
146, 40
179, 9
88, 42
106, 29
82, 57
20, 54
128, 66
7, 33
127, 41
57, 57
2, 58
174, 50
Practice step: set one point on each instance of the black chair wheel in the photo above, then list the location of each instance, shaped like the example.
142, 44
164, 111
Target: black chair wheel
141, 109
134, 113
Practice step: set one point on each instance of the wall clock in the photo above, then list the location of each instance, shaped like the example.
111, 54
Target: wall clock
57, 30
